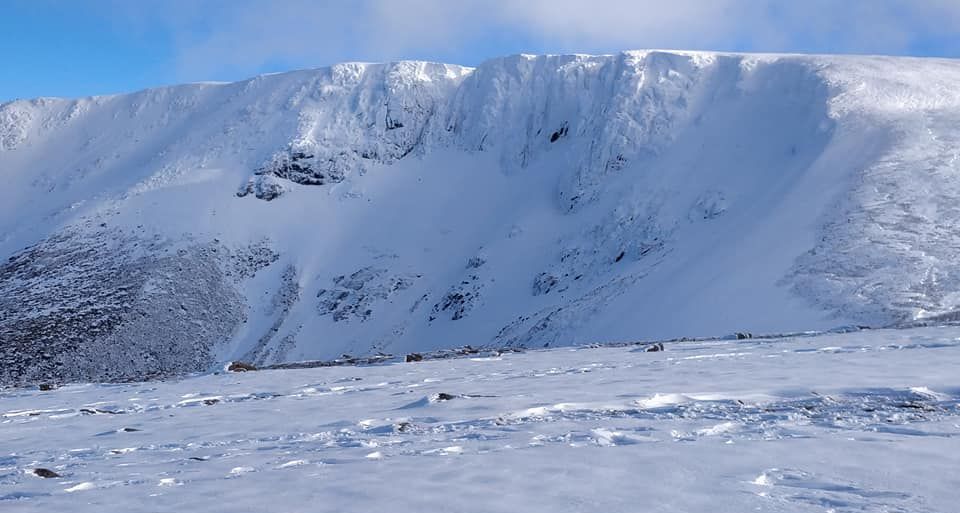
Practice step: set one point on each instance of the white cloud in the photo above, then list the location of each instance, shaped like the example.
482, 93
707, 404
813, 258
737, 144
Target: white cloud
242, 36
872, 26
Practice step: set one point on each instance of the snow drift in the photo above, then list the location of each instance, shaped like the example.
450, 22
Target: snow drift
533, 200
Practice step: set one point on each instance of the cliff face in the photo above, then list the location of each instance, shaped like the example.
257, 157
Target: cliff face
532, 200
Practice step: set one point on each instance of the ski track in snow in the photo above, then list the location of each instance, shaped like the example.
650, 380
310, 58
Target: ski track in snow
856, 422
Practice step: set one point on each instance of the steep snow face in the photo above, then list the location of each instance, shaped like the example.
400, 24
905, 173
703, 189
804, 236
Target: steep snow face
82, 154
355, 114
534, 200
614, 110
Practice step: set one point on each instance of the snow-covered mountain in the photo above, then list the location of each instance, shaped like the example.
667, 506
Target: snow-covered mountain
533, 200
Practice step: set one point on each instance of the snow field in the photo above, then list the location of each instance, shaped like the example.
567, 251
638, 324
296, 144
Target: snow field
865, 421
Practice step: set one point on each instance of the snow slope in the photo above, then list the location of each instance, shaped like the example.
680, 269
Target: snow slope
533, 200
860, 422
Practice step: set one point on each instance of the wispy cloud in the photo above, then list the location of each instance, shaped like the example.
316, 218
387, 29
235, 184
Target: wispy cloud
243, 36
865, 26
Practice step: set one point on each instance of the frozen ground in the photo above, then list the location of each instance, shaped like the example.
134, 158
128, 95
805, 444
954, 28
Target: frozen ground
860, 422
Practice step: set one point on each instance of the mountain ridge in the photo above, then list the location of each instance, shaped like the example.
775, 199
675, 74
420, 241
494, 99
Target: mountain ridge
681, 52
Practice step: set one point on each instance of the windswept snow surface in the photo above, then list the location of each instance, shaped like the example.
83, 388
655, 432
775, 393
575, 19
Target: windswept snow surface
531, 201
859, 422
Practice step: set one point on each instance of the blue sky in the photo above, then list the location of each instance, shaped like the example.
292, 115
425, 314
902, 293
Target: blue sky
78, 48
